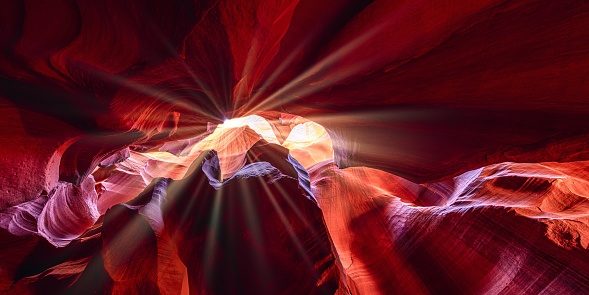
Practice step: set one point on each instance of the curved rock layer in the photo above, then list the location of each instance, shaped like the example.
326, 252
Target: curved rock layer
508, 229
202, 231
446, 145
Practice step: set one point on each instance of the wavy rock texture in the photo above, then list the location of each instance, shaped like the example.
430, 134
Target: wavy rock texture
167, 235
484, 230
445, 144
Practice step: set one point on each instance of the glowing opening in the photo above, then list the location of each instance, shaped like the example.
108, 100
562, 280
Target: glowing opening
307, 141
256, 123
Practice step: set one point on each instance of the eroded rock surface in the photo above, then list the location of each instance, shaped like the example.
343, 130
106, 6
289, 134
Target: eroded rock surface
447, 145
201, 235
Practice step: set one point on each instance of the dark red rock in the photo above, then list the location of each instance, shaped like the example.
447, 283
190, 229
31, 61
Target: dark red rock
256, 232
442, 116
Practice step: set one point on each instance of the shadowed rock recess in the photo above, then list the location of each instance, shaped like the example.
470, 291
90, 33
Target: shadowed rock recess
294, 147
211, 235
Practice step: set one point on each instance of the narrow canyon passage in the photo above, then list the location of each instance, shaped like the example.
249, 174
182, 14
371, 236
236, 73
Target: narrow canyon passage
294, 147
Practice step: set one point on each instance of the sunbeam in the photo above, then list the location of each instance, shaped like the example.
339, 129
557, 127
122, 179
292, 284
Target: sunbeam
313, 79
294, 147
287, 225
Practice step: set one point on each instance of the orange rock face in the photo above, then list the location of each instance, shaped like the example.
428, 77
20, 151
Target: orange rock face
494, 227
294, 147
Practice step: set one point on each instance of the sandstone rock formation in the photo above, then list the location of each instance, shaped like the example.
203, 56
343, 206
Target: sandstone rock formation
294, 147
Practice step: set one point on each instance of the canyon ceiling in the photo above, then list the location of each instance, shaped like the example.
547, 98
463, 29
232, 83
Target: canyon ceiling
384, 147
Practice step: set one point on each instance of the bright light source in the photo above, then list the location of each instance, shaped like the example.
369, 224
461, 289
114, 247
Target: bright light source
308, 142
256, 123
237, 122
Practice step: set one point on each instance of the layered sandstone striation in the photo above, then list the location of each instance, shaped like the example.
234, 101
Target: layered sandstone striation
294, 147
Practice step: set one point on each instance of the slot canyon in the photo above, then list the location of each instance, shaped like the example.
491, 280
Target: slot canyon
294, 147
